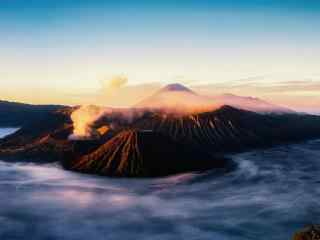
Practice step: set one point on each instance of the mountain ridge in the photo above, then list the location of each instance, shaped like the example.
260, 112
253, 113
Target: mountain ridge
178, 98
133, 153
16, 114
222, 131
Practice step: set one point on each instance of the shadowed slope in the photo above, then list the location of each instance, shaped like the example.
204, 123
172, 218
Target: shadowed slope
230, 129
44, 140
47, 140
156, 143
144, 154
51, 123
14, 114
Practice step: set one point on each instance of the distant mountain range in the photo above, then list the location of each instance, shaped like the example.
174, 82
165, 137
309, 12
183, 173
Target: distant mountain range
14, 114
174, 130
155, 142
172, 98
176, 97
251, 104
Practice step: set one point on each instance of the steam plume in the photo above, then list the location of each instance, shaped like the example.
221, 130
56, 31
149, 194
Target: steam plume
82, 119
86, 116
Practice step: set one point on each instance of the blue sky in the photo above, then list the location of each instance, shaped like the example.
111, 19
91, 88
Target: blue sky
71, 46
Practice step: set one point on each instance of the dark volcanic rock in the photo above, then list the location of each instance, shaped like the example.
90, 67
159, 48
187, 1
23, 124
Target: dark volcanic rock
155, 139
19, 114
144, 154
229, 129
42, 140
52, 123
309, 233
47, 140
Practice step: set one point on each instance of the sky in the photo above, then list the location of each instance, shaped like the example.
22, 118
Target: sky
67, 51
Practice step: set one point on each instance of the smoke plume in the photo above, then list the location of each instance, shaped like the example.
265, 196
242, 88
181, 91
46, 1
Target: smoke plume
82, 119
86, 117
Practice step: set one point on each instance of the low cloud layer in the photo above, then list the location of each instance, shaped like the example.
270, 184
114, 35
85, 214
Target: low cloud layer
45, 202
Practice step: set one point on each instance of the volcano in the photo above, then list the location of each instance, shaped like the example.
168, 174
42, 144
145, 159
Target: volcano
175, 87
155, 143
229, 129
135, 153
178, 99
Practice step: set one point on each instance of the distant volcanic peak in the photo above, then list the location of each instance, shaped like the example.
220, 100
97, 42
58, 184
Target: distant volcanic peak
177, 99
176, 87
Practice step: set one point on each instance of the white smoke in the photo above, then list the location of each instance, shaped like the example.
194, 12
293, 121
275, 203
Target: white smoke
82, 119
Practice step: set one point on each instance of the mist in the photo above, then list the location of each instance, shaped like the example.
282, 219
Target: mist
256, 201
82, 119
